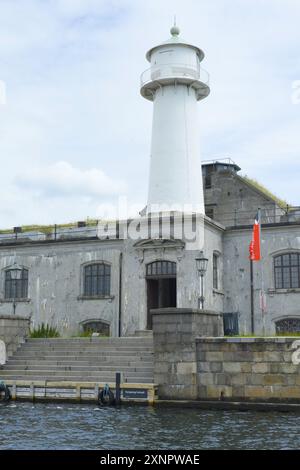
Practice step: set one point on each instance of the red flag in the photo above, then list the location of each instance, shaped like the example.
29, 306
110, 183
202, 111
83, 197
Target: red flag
254, 247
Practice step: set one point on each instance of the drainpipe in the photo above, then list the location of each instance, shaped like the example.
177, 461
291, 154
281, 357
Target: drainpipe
120, 295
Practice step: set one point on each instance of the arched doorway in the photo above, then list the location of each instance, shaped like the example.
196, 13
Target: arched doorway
161, 286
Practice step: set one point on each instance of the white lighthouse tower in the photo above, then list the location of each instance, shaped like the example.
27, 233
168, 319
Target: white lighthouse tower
175, 82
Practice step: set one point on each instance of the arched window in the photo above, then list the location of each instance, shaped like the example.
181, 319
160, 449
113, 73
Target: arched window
96, 326
287, 271
288, 325
97, 280
161, 268
16, 288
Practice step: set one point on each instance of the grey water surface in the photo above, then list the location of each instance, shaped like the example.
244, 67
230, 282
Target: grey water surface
65, 426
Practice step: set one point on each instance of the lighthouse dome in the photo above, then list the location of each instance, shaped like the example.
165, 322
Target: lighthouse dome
176, 39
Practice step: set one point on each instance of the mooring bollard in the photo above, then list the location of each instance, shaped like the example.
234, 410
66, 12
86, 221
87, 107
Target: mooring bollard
118, 388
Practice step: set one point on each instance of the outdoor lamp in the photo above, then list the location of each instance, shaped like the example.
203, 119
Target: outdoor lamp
201, 263
15, 274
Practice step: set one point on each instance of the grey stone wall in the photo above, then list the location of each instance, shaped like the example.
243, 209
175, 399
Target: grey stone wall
279, 303
248, 369
235, 202
174, 333
55, 283
13, 331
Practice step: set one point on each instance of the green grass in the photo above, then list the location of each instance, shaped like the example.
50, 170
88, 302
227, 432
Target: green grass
281, 202
44, 331
85, 334
47, 229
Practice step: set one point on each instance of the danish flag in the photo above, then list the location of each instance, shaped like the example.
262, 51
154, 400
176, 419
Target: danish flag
254, 247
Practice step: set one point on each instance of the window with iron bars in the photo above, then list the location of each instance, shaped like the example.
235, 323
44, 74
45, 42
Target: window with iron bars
16, 288
97, 280
287, 271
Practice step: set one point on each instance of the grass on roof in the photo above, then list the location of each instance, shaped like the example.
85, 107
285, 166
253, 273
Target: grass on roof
281, 202
47, 229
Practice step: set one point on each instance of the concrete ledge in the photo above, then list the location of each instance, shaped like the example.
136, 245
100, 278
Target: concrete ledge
67, 391
182, 311
266, 339
14, 317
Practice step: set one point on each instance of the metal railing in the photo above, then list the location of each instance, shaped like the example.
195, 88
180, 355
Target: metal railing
165, 71
270, 214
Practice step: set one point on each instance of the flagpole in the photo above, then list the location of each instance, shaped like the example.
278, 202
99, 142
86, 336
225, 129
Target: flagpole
252, 296
262, 298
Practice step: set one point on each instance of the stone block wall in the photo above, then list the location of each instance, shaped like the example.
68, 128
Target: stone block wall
174, 334
13, 331
259, 369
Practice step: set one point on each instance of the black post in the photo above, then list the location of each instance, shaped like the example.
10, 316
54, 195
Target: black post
252, 296
201, 292
120, 296
118, 388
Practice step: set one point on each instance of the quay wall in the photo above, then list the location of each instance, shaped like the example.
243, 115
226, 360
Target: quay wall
249, 368
13, 331
194, 361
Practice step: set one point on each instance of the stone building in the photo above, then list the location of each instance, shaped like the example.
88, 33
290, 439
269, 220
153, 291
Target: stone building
71, 278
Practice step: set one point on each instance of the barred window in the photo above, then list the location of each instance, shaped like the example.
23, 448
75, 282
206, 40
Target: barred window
97, 279
287, 271
161, 268
215, 271
16, 288
288, 325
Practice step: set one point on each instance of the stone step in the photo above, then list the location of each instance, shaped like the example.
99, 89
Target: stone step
73, 373
83, 369
105, 361
82, 357
87, 349
144, 333
145, 342
97, 379
98, 339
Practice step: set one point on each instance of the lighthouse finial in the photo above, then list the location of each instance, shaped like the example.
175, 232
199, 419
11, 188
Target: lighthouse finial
175, 31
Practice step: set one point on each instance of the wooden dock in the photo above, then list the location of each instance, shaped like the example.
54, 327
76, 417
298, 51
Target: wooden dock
137, 393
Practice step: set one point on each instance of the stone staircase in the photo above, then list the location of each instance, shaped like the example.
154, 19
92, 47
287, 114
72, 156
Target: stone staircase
82, 360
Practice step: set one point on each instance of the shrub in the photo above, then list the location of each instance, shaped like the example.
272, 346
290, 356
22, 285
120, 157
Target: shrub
44, 331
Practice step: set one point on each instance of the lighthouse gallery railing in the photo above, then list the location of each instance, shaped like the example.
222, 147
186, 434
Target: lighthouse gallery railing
165, 71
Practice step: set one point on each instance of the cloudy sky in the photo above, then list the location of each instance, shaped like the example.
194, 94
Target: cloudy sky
75, 132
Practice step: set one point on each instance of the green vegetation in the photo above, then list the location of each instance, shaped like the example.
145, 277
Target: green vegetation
297, 333
281, 202
44, 331
85, 334
88, 333
47, 229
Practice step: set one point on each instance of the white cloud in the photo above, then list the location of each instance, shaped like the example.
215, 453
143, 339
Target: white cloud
62, 179
72, 69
